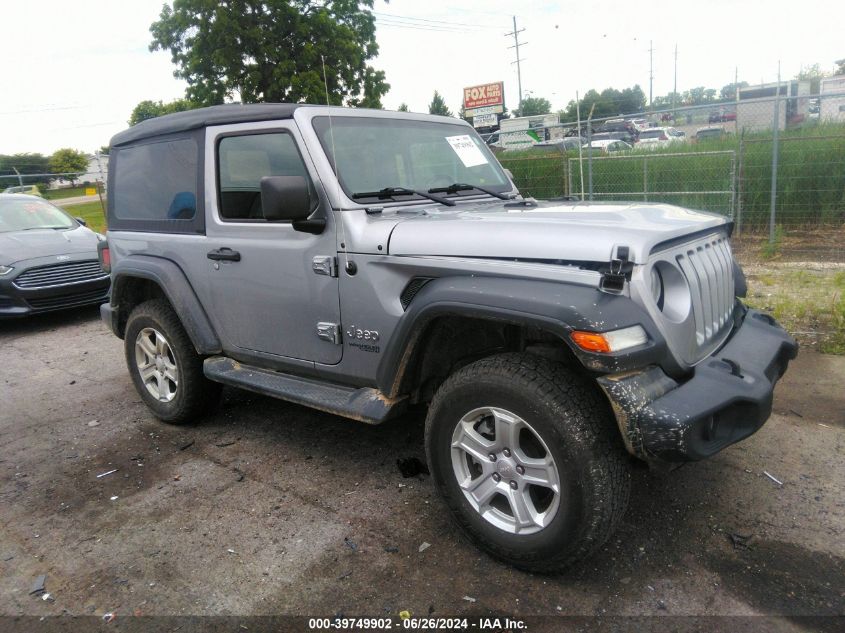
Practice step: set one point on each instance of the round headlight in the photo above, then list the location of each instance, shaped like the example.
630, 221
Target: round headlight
657, 287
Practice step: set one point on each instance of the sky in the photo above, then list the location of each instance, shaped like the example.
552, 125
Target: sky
74, 74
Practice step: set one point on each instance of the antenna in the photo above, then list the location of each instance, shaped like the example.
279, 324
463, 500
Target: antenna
334, 166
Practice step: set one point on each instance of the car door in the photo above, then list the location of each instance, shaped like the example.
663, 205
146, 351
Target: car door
274, 290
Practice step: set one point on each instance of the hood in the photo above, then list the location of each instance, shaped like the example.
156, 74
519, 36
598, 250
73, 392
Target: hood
572, 231
17, 246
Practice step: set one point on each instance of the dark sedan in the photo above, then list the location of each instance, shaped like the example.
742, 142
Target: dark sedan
48, 260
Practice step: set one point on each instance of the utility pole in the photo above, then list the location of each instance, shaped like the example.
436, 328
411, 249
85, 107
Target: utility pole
516, 45
675, 89
736, 83
20, 180
774, 192
650, 71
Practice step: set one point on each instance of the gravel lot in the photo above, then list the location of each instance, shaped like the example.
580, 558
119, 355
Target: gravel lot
271, 508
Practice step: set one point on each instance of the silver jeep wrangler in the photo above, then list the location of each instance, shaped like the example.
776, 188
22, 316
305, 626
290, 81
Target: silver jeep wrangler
361, 262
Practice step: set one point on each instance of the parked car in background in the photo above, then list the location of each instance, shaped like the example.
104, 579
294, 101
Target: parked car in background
566, 144
615, 136
640, 124
48, 260
722, 116
623, 126
609, 146
30, 190
711, 132
492, 139
659, 137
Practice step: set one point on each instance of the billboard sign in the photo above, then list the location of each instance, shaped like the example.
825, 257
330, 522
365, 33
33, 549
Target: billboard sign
484, 95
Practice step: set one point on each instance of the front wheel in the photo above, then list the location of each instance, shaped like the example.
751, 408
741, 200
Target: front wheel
527, 457
165, 367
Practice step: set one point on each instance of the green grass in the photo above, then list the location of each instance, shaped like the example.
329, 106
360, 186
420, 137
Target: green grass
91, 212
808, 303
59, 194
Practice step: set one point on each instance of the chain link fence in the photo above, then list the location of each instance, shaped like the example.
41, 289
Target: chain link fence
744, 159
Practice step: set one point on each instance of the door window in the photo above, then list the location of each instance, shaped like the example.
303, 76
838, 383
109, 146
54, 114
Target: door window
242, 161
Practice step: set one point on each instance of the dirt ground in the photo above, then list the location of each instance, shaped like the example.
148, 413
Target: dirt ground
271, 508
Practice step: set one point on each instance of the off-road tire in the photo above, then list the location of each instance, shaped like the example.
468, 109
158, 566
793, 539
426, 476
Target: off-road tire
571, 416
195, 395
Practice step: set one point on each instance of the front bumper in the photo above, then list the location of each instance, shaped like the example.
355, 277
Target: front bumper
728, 397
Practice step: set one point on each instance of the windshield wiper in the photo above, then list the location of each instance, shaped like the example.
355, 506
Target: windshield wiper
462, 186
45, 228
390, 192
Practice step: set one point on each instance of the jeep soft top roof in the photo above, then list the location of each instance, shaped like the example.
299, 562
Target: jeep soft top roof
202, 117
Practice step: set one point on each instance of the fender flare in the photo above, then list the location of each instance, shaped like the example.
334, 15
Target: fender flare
175, 285
555, 307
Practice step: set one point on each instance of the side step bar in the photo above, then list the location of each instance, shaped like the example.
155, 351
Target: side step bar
365, 404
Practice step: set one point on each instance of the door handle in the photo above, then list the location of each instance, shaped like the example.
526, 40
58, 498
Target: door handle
224, 255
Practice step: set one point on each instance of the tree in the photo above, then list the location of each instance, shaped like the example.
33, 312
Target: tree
610, 102
272, 50
814, 75
438, 105
532, 106
403, 107
29, 163
699, 95
69, 162
840, 66
632, 100
728, 93
151, 109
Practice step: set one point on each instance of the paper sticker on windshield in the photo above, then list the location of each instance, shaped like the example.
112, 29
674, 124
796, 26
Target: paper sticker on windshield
466, 150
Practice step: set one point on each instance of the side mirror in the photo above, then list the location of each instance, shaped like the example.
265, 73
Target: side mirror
289, 198
285, 198
81, 221
508, 173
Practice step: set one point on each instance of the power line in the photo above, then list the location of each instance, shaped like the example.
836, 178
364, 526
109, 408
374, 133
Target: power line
409, 18
423, 27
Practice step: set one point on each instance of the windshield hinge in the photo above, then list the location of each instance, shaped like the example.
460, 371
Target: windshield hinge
329, 332
325, 265
617, 272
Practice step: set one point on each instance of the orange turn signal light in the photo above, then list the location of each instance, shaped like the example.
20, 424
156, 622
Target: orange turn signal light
591, 341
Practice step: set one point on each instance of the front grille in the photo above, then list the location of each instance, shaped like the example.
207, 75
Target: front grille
60, 274
67, 301
708, 266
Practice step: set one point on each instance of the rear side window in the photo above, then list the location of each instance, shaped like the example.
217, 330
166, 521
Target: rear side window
156, 181
242, 161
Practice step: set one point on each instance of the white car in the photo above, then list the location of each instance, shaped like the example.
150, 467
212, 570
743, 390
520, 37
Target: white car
608, 146
640, 124
655, 137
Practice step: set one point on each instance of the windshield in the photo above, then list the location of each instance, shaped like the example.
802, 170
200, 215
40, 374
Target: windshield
377, 153
651, 134
23, 214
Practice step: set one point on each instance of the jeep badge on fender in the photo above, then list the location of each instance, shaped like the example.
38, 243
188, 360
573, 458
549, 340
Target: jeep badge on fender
362, 335
552, 343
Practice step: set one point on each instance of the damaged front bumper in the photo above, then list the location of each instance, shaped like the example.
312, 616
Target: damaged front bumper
728, 397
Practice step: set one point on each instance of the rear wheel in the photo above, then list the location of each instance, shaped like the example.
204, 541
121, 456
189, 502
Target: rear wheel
165, 367
528, 459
